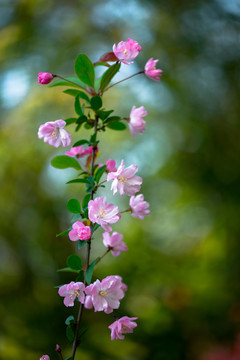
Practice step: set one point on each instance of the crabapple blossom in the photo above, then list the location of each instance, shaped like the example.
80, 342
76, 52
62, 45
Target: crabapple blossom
53, 133
102, 213
79, 232
126, 51
111, 165
105, 295
45, 78
139, 207
151, 71
136, 123
124, 180
114, 242
45, 357
122, 326
71, 291
79, 152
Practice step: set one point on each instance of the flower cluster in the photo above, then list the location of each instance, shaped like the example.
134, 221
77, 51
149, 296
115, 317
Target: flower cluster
95, 211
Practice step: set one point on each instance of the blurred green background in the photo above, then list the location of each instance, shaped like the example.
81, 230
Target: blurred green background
182, 268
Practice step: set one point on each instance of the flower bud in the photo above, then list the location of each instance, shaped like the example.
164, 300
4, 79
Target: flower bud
45, 78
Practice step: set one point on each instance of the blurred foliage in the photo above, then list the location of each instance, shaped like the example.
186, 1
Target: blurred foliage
182, 267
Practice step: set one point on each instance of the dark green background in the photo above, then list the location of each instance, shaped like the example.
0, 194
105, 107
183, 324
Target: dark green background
182, 267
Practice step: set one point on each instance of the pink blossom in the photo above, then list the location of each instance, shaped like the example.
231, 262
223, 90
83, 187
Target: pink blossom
45, 78
105, 295
79, 152
53, 133
136, 123
79, 232
139, 207
111, 165
122, 326
114, 242
127, 50
102, 213
45, 357
151, 71
71, 291
124, 180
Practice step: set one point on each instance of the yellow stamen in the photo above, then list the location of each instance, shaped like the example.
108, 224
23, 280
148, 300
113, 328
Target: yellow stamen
124, 329
102, 293
122, 179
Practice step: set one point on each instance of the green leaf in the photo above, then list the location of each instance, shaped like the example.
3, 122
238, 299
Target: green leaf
74, 262
80, 277
117, 126
79, 93
73, 206
64, 232
112, 119
90, 271
99, 173
78, 181
75, 217
70, 333
88, 126
108, 75
84, 69
77, 106
70, 319
85, 201
64, 162
68, 269
69, 358
97, 83
75, 80
80, 142
96, 102
85, 214
96, 226
70, 121
81, 243
91, 180
104, 114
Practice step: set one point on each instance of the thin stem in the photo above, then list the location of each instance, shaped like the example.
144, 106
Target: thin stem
72, 82
129, 77
129, 209
79, 317
106, 252
83, 166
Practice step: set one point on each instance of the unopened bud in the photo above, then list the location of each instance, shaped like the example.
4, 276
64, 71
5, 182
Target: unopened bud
45, 78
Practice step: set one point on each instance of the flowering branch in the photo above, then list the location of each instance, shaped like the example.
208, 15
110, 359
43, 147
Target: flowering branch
106, 294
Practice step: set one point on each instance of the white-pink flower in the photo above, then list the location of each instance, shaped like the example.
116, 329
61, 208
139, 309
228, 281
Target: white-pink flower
122, 326
151, 71
105, 295
139, 207
126, 50
124, 180
79, 232
71, 291
136, 124
45, 78
79, 151
53, 133
45, 357
102, 213
114, 242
